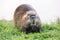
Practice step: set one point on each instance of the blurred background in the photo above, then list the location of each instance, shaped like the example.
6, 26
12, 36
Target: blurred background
48, 10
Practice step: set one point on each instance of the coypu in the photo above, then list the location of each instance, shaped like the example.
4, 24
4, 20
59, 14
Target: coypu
26, 19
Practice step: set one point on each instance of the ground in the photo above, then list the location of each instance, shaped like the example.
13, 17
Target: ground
9, 32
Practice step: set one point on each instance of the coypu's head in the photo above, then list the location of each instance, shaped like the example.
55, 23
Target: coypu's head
31, 20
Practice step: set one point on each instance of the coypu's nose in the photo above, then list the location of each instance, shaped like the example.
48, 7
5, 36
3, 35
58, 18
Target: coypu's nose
33, 18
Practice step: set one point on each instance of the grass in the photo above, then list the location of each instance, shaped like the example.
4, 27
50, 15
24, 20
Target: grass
9, 32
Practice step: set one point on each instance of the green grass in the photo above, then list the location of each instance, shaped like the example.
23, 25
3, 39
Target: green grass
9, 32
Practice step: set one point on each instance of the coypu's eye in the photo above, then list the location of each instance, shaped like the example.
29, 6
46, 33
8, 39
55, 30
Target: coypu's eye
28, 14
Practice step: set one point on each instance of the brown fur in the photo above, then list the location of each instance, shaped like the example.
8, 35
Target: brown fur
20, 16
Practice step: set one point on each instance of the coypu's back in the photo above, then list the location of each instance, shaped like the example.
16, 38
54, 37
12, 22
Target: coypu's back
24, 8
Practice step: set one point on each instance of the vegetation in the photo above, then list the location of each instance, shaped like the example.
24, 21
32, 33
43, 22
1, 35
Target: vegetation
9, 32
